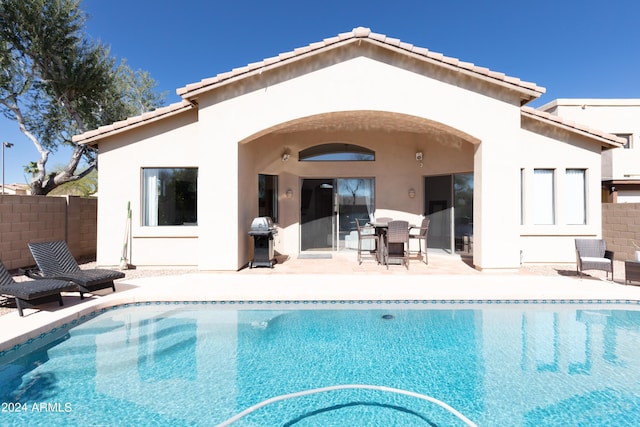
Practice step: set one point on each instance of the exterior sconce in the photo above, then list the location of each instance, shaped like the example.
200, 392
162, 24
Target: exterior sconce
285, 155
412, 193
419, 158
289, 193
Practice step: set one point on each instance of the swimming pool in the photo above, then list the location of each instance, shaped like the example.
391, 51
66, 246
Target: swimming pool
201, 364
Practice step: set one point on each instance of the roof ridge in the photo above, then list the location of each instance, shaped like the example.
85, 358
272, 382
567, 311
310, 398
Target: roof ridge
362, 33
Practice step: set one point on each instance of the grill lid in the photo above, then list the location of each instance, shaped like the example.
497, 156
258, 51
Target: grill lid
262, 225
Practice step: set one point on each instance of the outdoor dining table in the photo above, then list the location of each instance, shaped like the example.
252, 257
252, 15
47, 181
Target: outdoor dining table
381, 231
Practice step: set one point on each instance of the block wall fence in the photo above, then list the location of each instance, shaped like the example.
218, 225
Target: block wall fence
621, 226
25, 219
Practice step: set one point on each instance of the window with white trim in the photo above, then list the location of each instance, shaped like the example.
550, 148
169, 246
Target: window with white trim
169, 196
575, 200
543, 197
627, 137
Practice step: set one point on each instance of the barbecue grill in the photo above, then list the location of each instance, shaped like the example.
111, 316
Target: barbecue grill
262, 229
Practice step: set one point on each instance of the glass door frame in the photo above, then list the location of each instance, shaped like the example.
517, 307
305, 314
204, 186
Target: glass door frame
352, 197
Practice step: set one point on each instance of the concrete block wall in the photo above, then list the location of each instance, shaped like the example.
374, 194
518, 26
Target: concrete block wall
25, 219
621, 226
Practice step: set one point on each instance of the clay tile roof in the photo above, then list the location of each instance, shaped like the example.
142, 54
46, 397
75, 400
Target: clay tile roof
532, 89
96, 134
607, 138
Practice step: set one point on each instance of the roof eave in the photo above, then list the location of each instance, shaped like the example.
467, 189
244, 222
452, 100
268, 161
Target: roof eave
93, 136
606, 139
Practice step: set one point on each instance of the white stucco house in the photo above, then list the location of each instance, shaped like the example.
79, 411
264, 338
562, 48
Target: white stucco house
356, 126
621, 117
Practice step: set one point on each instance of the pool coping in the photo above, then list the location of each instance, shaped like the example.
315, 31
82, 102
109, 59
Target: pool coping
235, 288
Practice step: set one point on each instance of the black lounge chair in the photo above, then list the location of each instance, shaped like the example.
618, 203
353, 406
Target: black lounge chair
54, 260
33, 292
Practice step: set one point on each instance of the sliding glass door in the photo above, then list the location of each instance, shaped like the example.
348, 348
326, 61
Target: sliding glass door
448, 201
329, 208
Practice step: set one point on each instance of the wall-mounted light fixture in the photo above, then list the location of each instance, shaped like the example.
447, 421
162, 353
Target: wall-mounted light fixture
289, 193
419, 158
286, 155
412, 193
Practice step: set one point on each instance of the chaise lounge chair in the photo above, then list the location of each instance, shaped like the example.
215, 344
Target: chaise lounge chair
55, 261
592, 254
33, 292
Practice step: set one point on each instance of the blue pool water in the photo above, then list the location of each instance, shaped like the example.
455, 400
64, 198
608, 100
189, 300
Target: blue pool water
174, 364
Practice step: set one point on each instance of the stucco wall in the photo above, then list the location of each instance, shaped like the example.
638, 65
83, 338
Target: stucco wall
171, 143
542, 147
621, 225
25, 219
276, 104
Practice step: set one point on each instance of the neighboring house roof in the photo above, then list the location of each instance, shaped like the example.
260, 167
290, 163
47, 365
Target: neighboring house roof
607, 139
93, 136
16, 189
530, 90
583, 102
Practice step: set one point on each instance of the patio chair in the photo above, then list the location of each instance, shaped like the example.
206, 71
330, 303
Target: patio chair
421, 235
592, 254
33, 292
367, 234
397, 243
54, 260
383, 220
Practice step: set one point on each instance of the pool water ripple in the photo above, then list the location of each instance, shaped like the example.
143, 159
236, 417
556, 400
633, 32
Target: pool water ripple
504, 364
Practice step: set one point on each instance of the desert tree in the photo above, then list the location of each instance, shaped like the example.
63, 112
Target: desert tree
56, 82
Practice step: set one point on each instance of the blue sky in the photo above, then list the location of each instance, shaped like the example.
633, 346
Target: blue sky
573, 48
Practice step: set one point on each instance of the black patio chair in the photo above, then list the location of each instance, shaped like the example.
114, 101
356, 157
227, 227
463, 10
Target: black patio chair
33, 292
54, 260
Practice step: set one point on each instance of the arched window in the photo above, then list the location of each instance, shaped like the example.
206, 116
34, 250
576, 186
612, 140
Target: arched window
337, 152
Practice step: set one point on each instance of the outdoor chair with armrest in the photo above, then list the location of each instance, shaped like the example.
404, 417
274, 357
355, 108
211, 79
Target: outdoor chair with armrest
420, 235
367, 234
592, 254
54, 260
33, 292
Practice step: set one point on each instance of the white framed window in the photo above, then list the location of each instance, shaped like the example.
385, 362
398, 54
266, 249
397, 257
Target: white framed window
169, 196
521, 196
575, 200
628, 137
543, 197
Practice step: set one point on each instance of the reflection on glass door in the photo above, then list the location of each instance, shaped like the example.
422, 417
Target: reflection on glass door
355, 201
328, 210
437, 198
463, 212
317, 209
448, 201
